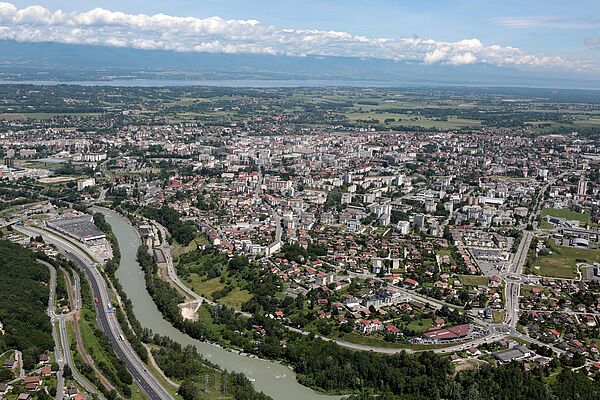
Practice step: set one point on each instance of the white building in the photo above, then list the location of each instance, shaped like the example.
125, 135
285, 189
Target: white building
403, 227
84, 183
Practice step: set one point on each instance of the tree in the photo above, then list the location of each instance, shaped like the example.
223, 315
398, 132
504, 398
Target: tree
6, 375
189, 390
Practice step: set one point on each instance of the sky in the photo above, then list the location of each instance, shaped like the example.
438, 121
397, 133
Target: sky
528, 34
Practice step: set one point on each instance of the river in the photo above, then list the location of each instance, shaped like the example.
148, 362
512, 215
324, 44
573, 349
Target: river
272, 378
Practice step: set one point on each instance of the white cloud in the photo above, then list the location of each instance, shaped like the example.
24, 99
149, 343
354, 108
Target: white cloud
217, 35
461, 59
435, 56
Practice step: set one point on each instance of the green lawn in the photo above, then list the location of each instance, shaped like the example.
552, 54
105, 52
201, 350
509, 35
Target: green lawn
193, 245
420, 325
526, 290
370, 340
498, 316
518, 340
70, 333
562, 262
236, 298
202, 287
136, 392
584, 218
40, 165
473, 280
205, 316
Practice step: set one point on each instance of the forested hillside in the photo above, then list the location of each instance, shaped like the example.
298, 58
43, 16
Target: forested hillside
23, 303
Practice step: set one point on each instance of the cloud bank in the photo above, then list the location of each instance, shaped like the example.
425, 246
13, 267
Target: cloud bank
217, 35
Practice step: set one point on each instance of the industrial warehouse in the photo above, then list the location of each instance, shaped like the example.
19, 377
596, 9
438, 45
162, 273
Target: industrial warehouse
80, 228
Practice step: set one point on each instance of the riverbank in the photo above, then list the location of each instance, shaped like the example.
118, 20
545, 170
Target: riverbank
274, 379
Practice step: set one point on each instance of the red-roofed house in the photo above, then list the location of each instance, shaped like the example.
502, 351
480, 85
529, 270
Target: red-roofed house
391, 329
368, 326
411, 282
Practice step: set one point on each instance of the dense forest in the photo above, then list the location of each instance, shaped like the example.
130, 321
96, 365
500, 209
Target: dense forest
508, 382
182, 232
200, 376
23, 303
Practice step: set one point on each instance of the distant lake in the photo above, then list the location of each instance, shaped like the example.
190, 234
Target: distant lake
295, 83
248, 83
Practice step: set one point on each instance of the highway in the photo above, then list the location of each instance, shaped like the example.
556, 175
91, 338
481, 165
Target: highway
514, 275
513, 282
107, 320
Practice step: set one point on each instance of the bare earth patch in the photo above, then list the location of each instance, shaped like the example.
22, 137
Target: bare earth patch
189, 310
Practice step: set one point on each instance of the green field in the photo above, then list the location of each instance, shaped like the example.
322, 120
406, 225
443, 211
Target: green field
584, 218
136, 392
443, 253
420, 325
42, 115
203, 287
193, 245
39, 165
498, 316
205, 316
407, 120
562, 262
236, 298
473, 280
206, 288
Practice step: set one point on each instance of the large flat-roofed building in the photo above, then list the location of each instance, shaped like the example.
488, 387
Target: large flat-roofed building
81, 228
515, 354
580, 242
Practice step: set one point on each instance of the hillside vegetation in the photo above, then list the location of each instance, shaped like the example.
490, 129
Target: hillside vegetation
23, 302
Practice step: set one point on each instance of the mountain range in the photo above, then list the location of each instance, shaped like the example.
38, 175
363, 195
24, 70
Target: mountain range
55, 62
